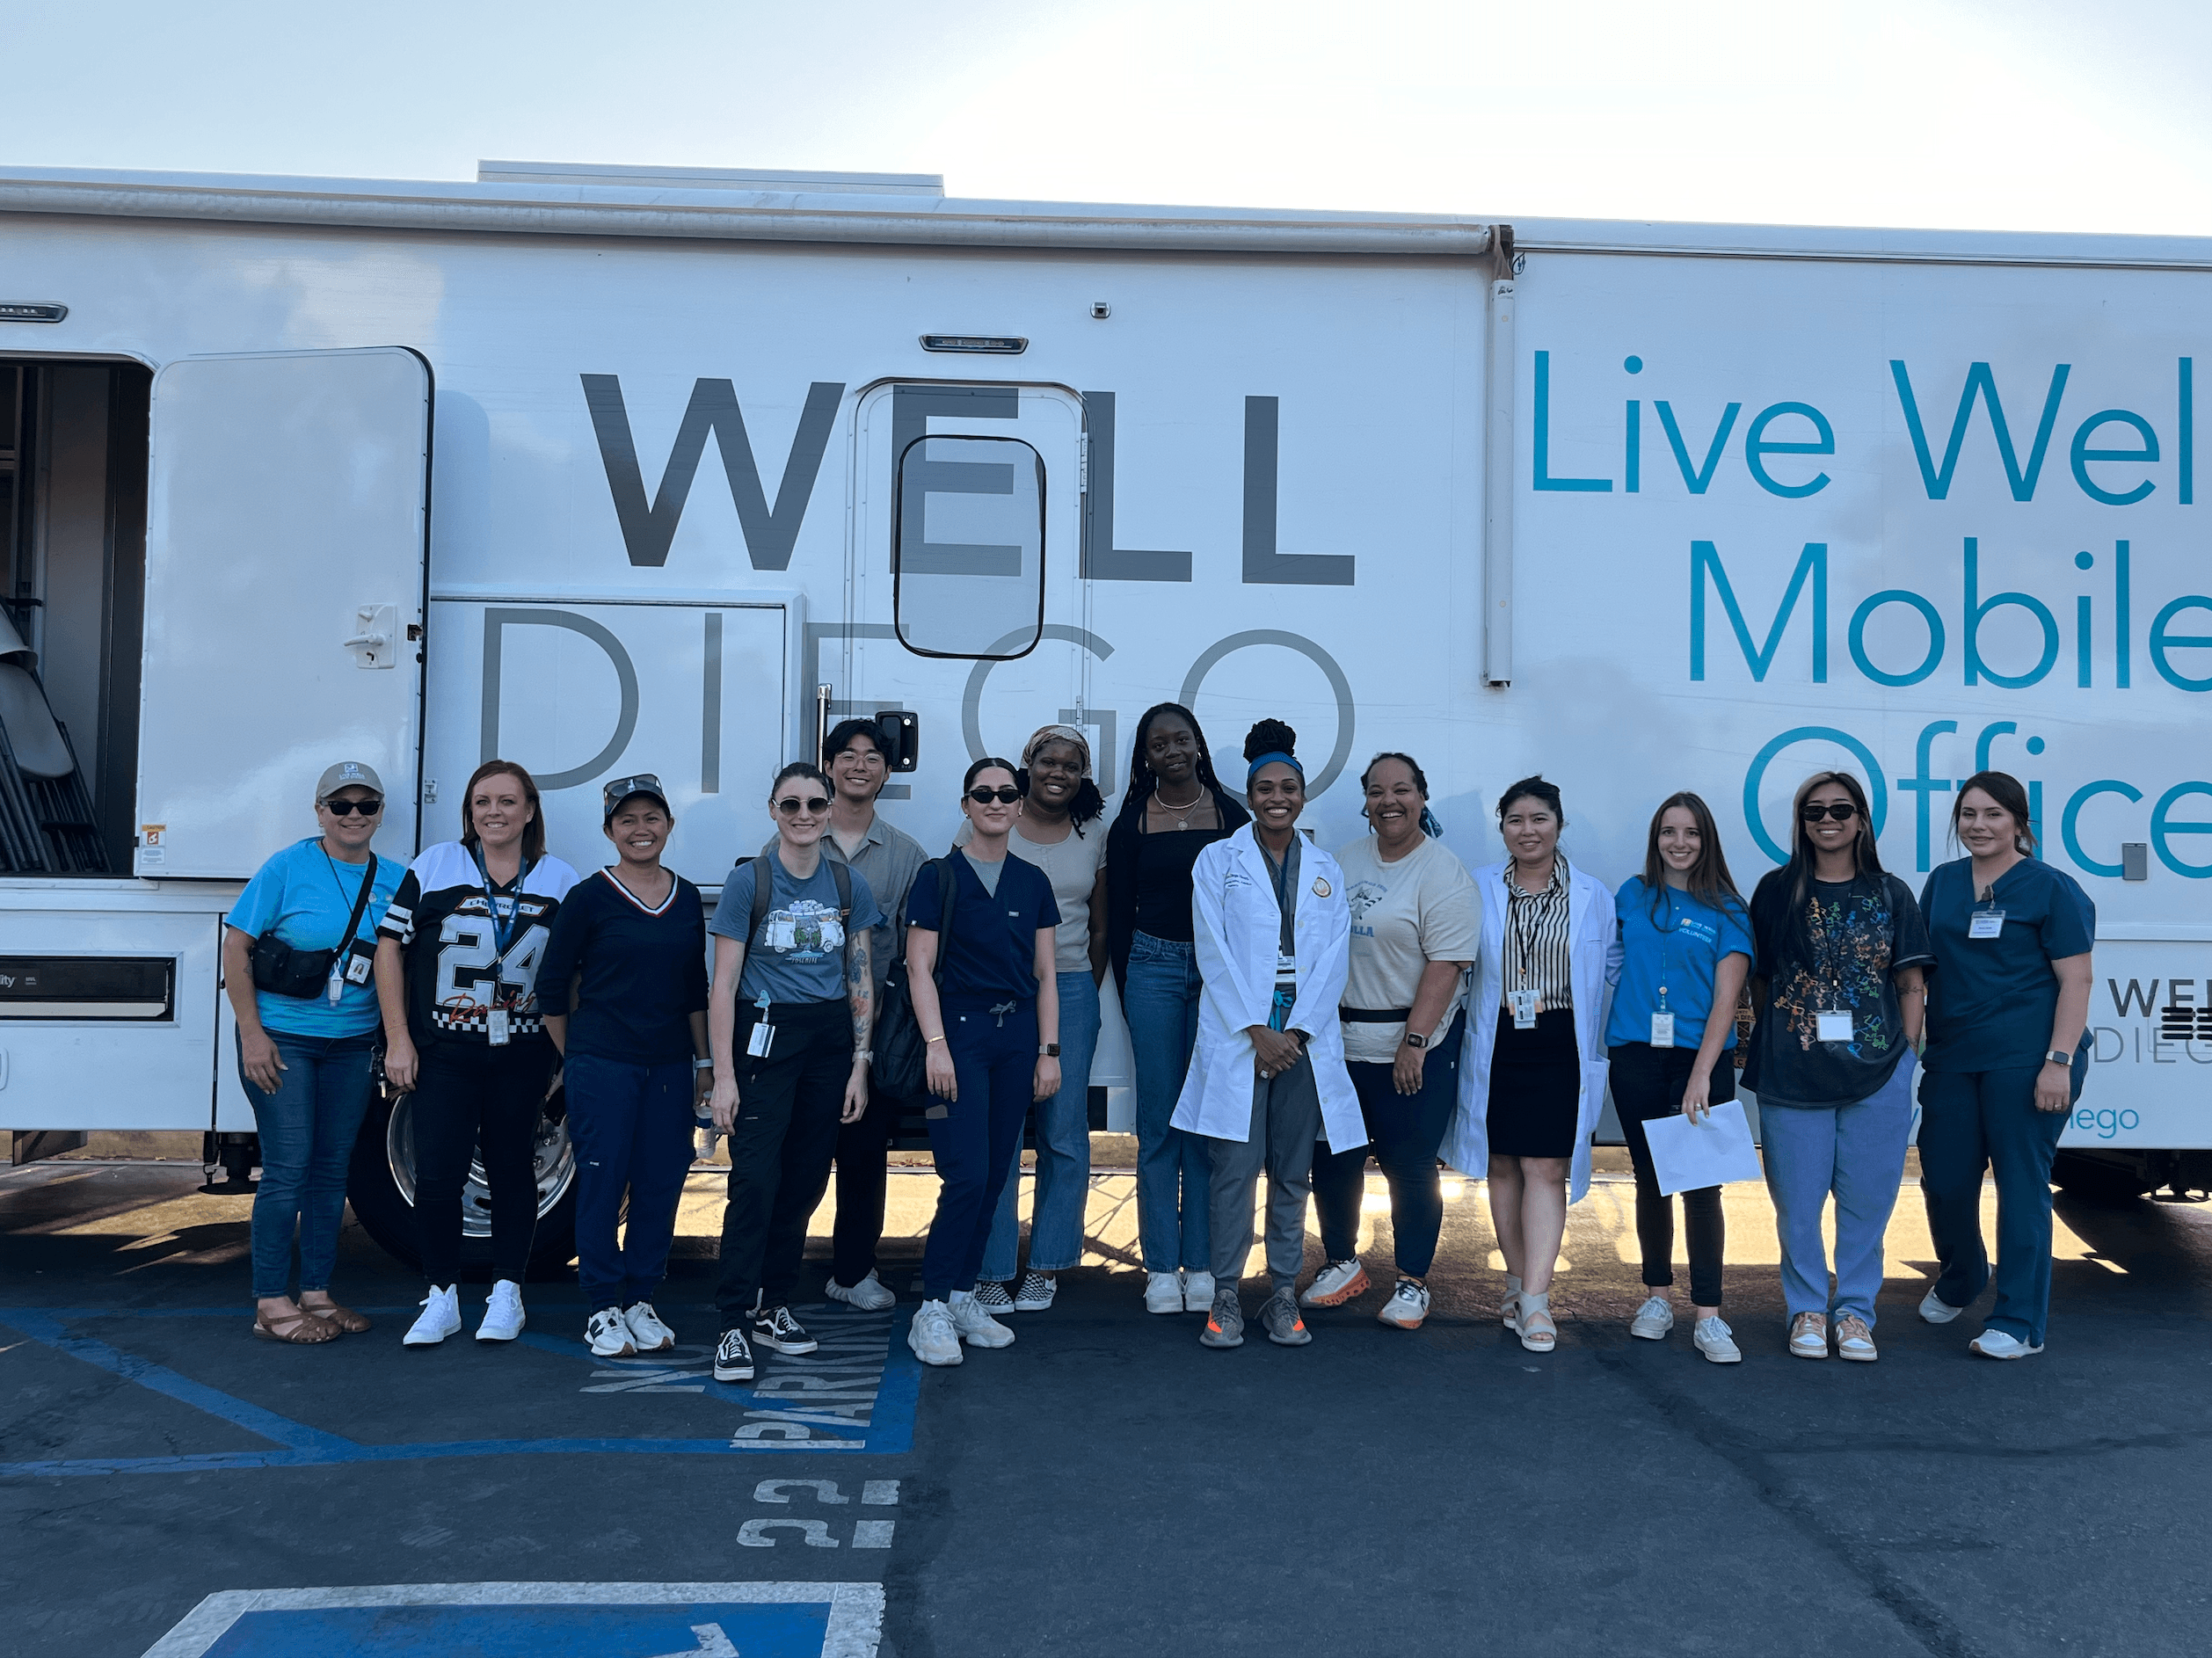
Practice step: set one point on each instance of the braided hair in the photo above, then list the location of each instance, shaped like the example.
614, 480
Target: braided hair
1142, 781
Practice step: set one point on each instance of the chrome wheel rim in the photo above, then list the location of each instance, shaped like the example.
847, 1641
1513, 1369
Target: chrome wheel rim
553, 1159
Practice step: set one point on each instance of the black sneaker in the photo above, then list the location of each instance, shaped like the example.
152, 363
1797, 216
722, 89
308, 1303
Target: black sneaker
734, 1358
775, 1329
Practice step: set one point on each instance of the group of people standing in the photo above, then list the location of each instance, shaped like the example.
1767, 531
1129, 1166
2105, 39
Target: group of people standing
1293, 1012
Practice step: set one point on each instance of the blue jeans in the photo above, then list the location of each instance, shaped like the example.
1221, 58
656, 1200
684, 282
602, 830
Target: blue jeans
1856, 1152
1174, 1170
1063, 1152
631, 1125
974, 1137
306, 1130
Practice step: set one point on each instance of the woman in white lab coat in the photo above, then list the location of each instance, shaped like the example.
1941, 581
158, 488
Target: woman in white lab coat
1272, 937
1532, 1076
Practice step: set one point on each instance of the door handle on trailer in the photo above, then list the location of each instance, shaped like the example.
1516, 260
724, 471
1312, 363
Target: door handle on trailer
375, 628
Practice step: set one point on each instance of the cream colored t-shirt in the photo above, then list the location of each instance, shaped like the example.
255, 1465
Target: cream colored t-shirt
1072, 867
1423, 908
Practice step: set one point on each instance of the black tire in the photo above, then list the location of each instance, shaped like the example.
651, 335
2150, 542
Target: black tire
386, 1210
2103, 1177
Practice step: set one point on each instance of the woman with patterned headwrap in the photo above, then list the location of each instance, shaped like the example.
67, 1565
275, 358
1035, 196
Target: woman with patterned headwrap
1058, 830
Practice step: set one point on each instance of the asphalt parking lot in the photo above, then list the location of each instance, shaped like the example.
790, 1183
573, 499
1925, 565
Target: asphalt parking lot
1105, 1486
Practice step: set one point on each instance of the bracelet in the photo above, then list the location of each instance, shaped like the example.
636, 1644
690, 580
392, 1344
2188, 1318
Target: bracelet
864, 1056
927, 1040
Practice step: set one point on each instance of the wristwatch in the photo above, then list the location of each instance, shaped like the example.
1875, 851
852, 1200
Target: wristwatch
2059, 1056
1048, 1050
702, 1064
1415, 1039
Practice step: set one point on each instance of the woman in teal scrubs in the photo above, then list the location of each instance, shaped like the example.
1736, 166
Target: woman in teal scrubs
2008, 1006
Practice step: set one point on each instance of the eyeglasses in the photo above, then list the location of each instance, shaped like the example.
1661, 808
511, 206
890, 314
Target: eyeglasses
1005, 793
1841, 810
348, 808
791, 806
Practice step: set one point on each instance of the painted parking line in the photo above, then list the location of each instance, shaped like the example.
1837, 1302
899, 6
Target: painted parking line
528, 1620
856, 1394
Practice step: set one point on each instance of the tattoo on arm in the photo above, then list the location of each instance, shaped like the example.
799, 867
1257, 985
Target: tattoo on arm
860, 988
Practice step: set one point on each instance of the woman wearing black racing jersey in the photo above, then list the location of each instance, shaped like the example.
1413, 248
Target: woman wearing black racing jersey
457, 956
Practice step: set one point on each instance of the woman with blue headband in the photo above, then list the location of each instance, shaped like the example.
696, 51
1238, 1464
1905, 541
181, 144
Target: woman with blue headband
1272, 934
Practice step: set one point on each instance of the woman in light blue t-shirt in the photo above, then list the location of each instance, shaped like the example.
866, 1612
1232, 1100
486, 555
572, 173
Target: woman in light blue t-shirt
300, 985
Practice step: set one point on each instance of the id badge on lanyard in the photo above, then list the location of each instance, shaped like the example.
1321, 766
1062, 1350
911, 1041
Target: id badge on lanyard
1523, 1004
1832, 1024
1662, 1015
1985, 924
498, 1029
761, 1037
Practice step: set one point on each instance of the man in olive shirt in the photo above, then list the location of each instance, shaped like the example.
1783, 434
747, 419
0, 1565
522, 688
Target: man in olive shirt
886, 858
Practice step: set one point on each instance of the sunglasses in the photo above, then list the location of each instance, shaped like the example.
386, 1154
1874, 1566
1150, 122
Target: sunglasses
348, 808
791, 806
1005, 793
1841, 810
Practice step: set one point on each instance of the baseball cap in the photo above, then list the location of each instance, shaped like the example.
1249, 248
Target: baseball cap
622, 787
349, 773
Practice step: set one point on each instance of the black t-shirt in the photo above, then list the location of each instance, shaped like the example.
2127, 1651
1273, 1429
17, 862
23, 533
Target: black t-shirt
1855, 935
441, 918
644, 971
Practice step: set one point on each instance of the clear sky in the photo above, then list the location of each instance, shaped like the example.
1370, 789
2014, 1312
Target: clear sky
2023, 114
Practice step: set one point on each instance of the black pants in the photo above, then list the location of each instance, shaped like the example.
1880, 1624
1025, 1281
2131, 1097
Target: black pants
862, 1151
1647, 1083
1403, 1133
788, 1103
474, 1100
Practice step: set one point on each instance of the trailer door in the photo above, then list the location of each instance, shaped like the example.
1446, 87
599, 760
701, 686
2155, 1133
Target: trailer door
287, 514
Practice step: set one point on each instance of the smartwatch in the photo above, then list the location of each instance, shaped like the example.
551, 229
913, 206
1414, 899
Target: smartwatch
1049, 1051
1415, 1039
2059, 1056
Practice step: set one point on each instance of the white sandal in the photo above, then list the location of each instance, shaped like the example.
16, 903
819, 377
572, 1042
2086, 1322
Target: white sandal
1537, 1337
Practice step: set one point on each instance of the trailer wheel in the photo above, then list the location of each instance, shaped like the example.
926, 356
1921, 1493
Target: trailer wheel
381, 1186
2103, 1177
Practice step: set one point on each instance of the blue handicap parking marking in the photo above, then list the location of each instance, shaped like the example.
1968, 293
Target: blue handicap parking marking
857, 1394
534, 1620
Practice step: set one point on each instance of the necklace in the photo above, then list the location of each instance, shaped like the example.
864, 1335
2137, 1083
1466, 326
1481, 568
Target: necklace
1183, 808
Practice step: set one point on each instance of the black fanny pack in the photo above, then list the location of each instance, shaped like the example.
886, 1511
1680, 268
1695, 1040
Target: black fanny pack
303, 975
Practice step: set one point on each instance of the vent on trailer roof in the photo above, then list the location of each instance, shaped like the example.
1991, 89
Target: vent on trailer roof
562, 172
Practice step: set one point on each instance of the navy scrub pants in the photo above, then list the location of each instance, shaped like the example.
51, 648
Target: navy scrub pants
972, 1139
1974, 1119
632, 1126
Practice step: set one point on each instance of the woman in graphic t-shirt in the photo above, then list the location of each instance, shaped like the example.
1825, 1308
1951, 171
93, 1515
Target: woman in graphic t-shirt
1416, 924
1686, 946
1056, 829
457, 957
2008, 1049
1173, 808
1838, 984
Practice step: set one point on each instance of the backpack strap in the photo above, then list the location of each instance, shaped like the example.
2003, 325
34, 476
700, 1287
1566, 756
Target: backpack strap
763, 891
843, 876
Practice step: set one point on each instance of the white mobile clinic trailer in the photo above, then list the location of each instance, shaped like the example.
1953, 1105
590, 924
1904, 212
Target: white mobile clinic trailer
610, 469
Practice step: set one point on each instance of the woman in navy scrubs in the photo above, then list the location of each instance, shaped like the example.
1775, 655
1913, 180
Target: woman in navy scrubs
2008, 1007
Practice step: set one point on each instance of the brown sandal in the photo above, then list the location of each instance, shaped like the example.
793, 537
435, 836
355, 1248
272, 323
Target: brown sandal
302, 1328
345, 1318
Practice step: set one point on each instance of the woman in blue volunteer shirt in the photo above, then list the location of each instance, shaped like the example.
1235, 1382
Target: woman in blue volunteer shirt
2008, 1048
457, 956
304, 1048
989, 1011
1686, 946
1838, 987
632, 944
790, 1015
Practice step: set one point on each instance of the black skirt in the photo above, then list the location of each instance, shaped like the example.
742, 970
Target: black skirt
1536, 1085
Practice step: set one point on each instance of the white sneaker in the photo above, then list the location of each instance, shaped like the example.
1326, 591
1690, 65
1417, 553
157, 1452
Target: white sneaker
1653, 1320
931, 1334
1408, 1305
1716, 1342
1035, 1293
503, 1314
1808, 1336
976, 1326
1936, 1311
1198, 1292
1854, 1339
441, 1318
1337, 1283
1997, 1344
647, 1329
871, 1294
606, 1333
1163, 1292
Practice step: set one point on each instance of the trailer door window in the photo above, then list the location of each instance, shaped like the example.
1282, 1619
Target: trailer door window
968, 547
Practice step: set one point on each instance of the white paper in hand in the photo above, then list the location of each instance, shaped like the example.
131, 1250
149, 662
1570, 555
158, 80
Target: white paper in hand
1688, 1156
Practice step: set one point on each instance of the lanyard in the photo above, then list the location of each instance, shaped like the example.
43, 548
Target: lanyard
501, 935
1538, 906
344, 897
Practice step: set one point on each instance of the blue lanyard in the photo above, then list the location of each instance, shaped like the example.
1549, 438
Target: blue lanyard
501, 935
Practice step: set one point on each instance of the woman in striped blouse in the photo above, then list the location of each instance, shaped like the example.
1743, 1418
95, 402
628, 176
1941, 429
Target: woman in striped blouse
1532, 1075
